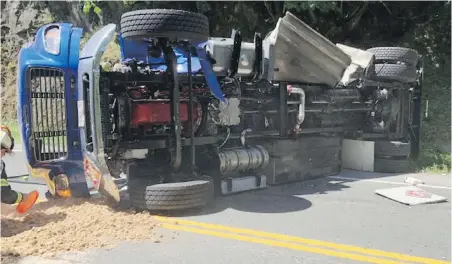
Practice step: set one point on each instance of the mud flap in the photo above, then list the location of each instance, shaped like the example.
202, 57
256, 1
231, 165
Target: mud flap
108, 188
102, 181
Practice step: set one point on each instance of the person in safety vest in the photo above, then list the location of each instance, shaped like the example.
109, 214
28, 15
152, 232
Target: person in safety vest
9, 196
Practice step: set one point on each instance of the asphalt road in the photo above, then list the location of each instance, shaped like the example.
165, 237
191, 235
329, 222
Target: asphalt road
331, 220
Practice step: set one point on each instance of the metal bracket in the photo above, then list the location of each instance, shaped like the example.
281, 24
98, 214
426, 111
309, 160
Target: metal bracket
171, 72
242, 136
190, 109
283, 109
258, 50
234, 64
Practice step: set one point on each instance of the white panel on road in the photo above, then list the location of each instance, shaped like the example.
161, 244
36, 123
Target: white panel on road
358, 155
410, 195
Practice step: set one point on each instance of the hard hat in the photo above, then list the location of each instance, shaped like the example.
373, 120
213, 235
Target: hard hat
5, 140
6, 130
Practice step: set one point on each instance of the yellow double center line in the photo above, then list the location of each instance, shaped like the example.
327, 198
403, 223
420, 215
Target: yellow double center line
295, 243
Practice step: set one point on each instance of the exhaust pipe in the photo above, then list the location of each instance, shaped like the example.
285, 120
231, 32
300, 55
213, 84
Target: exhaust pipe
301, 108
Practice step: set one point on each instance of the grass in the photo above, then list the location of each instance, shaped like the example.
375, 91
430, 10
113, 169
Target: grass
432, 160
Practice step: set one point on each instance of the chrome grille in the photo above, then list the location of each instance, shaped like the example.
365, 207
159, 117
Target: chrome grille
48, 113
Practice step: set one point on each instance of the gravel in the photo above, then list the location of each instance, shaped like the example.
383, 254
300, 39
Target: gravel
71, 225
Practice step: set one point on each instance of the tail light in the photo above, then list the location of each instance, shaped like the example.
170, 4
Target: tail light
62, 185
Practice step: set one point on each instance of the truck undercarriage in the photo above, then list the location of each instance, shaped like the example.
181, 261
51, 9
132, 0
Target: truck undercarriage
279, 113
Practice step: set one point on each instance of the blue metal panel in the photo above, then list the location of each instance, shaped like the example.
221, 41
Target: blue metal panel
132, 49
71, 92
34, 55
209, 75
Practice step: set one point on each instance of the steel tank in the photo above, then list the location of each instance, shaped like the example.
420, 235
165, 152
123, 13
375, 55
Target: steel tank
240, 159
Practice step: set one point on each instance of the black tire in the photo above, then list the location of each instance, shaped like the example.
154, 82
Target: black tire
395, 54
392, 165
170, 196
392, 149
394, 72
164, 23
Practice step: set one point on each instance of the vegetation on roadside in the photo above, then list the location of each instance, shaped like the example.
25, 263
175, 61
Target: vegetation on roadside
111, 55
434, 161
424, 26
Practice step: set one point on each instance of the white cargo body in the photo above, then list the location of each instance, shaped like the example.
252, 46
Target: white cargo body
297, 53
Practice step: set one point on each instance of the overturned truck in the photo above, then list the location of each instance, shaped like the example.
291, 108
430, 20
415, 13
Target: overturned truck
183, 118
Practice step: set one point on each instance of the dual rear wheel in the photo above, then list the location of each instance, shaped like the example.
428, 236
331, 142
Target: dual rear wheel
394, 65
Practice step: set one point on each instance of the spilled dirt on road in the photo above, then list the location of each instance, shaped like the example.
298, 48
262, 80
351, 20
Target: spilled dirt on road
71, 225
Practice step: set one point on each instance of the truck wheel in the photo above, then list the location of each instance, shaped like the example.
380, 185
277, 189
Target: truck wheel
392, 165
394, 72
170, 196
395, 54
164, 23
392, 149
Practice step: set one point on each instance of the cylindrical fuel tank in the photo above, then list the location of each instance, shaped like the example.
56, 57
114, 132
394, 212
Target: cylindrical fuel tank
240, 159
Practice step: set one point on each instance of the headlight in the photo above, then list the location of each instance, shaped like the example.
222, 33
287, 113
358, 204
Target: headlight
52, 40
62, 185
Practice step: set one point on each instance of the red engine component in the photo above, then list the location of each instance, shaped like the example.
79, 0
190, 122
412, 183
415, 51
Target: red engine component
158, 112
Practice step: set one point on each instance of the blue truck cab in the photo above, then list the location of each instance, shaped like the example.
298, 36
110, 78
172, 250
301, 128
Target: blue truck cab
47, 92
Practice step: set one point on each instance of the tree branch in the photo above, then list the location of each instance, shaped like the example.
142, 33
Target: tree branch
387, 8
269, 10
312, 15
278, 8
357, 18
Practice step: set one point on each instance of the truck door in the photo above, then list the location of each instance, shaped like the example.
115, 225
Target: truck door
47, 105
89, 112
